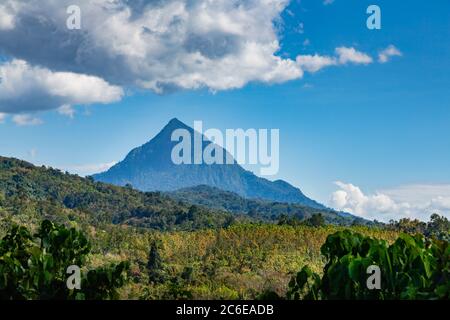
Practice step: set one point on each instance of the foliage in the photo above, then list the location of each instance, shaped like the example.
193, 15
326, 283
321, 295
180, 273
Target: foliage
46, 193
289, 213
438, 227
411, 268
103, 282
156, 272
244, 261
201, 253
34, 267
316, 220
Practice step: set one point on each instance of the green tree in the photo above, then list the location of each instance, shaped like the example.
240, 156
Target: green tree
316, 220
155, 265
438, 227
34, 267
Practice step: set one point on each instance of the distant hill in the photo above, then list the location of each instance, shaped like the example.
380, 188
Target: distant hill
150, 168
32, 193
215, 198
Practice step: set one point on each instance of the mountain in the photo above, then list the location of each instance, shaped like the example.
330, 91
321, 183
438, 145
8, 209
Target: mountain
150, 168
218, 199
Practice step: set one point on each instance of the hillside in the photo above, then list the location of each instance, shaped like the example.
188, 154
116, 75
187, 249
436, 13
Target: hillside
215, 198
40, 192
199, 259
150, 168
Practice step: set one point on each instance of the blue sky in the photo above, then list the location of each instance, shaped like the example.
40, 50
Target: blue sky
381, 130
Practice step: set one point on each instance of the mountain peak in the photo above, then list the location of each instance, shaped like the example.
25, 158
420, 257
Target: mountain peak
175, 123
150, 168
171, 126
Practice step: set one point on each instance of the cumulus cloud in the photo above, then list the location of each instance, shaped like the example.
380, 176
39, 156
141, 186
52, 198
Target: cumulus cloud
313, 63
26, 120
386, 54
25, 88
411, 201
162, 46
344, 55
351, 55
159, 45
2, 117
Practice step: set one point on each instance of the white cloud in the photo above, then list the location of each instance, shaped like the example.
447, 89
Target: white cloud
88, 169
26, 120
351, 55
344, 55
417, 194
313, 63
162, 45
2, 117
26, 88
158, 45
412, 201
441, 202
386, 54
327, 2
66, 110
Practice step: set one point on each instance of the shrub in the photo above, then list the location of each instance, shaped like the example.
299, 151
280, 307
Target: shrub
411, 268
34, 267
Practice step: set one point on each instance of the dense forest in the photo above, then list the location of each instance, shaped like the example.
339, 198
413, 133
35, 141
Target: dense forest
218, 199
38, 192
137, 245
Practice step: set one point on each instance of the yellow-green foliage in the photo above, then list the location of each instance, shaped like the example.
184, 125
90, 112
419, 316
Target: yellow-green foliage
238, 262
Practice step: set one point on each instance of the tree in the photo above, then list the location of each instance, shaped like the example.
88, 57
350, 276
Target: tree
439, 227
155, 265
316, 220
34, 267
408, 226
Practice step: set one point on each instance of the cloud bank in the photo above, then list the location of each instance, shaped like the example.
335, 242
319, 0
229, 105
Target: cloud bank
158, 45
25, 88
411, 201
162, 45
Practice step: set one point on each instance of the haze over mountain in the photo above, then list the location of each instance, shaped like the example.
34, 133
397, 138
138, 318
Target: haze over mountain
150, 168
